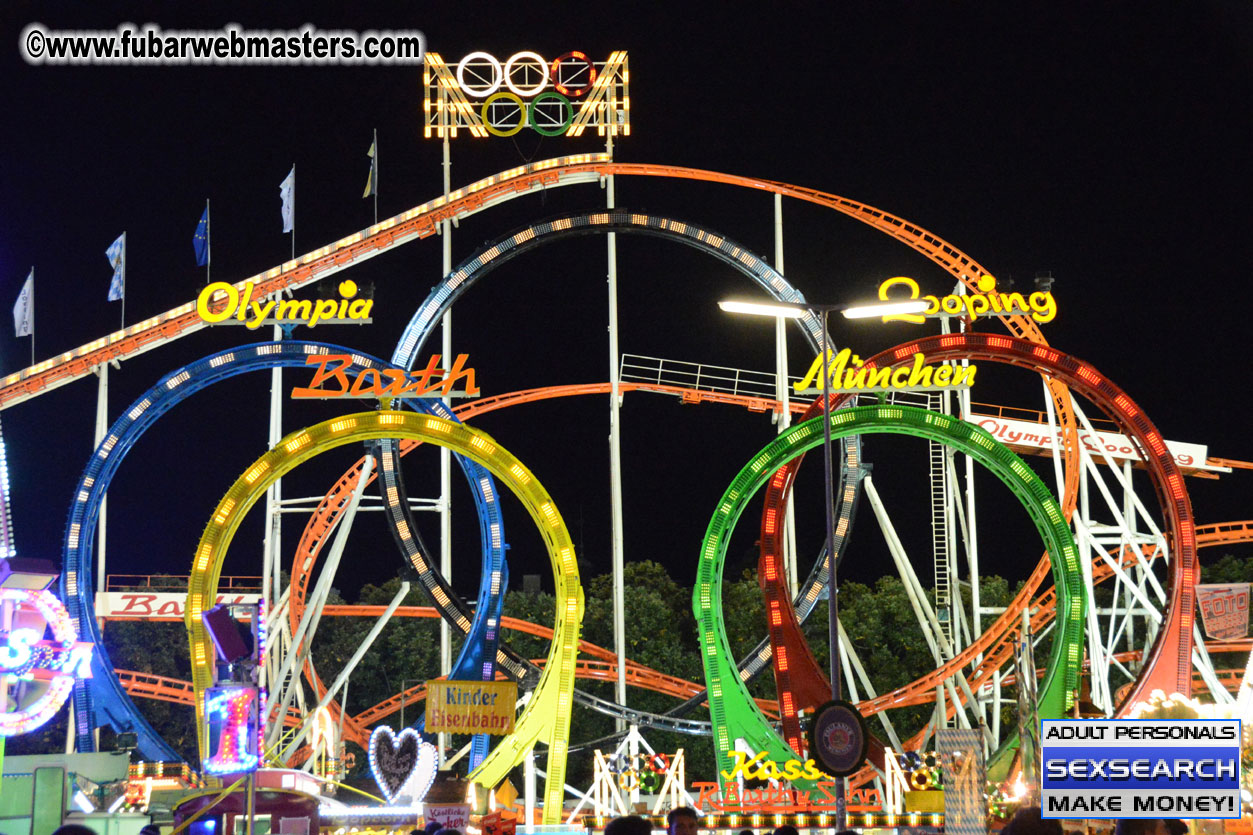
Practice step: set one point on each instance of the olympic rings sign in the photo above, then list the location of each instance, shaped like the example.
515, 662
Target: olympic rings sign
526, 75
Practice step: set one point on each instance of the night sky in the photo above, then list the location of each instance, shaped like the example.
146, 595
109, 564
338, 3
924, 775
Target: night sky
1106, 143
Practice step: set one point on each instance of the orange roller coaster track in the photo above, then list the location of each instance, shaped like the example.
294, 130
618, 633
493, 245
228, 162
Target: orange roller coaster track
162, 688
422, 221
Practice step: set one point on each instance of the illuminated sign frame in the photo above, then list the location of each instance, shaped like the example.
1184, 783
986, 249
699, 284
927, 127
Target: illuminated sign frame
26, 656
470, 707
780, 800
234, 729
467, 95
413, 779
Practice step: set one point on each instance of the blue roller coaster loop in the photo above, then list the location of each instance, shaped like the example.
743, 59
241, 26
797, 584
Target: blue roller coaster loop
104, 701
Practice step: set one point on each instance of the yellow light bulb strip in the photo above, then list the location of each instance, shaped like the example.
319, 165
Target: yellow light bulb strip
546, 717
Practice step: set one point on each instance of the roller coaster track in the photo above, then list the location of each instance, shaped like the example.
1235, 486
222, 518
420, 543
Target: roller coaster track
162, 688
324, 518
923, 690
422, 221
802, 685
102, 697
1168, 666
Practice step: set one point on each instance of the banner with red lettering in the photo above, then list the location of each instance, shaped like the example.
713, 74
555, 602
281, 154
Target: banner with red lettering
1224, 609
168, 606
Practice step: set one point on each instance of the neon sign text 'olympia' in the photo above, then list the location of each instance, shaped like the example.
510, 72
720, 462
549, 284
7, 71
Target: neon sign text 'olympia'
253, 314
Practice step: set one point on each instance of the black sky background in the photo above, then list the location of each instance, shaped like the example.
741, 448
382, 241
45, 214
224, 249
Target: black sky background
1105, 142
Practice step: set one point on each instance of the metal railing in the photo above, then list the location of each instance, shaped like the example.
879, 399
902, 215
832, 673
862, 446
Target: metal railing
176, 582
721, 379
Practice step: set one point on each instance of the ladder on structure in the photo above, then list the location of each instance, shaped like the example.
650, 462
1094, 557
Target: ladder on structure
937, 454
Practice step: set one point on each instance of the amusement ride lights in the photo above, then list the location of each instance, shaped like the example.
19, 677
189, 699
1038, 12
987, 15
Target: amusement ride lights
795, 310
546, 718
734, 713
952, 260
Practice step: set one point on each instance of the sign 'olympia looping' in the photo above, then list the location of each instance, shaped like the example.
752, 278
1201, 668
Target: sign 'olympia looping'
732, 710
546, 717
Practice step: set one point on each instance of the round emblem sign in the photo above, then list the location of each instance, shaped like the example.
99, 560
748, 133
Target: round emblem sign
837, 738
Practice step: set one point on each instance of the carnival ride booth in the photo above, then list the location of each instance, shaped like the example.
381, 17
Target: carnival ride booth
284, 801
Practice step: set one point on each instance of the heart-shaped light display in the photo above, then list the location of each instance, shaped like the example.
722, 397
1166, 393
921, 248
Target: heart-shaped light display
402, 764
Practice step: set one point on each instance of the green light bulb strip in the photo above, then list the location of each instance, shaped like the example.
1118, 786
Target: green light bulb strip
732, 710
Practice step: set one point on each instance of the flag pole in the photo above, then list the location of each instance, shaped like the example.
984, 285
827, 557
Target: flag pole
123, 279
208, 243
376, 176
32, 314
293, 211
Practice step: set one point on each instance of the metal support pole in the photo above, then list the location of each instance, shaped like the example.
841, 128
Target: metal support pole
287, 682
272, 548
528, 788
102, 427
342, 678
783, 419
445, 455
615, 457
833, 602
252, 802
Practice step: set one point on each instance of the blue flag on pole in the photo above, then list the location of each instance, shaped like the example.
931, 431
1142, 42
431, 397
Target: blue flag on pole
201, 239
116, 253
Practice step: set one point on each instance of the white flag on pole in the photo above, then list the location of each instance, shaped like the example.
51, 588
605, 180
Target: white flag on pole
24, 310
287, 190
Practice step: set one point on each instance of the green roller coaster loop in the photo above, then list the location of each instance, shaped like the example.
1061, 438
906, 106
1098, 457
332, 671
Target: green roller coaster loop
546, 718
732, 710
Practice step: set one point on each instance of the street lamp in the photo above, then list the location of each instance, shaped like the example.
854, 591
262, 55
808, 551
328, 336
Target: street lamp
795, 310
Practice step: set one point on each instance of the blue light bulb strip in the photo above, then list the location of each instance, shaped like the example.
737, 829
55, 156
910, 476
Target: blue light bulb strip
104, 700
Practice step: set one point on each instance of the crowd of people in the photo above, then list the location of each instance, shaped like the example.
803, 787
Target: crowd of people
684, 820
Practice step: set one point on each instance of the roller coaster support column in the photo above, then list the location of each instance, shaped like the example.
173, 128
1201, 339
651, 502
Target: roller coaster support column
972, 529
783, 417
850, 311
271, 576
342, 678
445, 456
615, 466
102, 428
833, 599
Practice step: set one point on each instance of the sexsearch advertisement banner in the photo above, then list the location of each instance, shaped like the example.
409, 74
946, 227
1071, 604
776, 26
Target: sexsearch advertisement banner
1140, 768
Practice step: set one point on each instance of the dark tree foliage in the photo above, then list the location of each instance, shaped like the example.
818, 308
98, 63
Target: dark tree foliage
660, 632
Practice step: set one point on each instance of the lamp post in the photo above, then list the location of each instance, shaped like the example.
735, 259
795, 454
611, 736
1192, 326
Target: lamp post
795, 310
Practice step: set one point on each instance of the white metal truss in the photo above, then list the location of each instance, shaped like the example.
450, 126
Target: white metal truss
1110, 521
